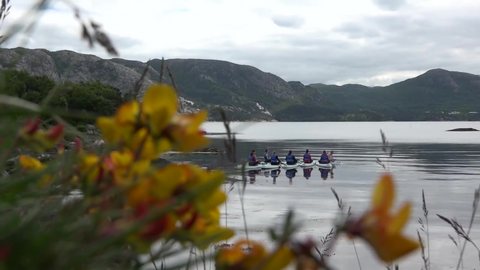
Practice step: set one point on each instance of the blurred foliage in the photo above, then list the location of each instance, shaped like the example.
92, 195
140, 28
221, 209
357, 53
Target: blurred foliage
92, 97
115, 207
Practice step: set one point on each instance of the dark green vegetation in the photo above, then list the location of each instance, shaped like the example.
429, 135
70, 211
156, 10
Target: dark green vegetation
435, 95
248, 94
77, 98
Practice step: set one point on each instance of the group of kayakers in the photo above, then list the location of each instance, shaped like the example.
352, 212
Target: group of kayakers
290, 159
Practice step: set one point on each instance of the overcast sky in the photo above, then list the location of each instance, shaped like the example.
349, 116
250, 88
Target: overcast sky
372, 42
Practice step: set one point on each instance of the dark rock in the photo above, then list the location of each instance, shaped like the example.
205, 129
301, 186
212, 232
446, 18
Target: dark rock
463, 129
210, 150
160, 162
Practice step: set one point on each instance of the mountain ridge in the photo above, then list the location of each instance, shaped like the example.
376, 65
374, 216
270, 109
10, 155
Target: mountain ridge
249, 94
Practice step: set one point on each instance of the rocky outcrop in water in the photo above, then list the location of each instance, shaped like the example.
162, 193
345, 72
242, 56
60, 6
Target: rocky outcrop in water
463, 129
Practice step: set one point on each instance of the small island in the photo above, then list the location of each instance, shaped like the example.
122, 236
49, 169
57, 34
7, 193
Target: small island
463, 129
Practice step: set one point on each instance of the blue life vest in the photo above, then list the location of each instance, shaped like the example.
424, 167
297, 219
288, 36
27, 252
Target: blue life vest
289, 158
307, 157
324, 158
265, 156
274, 158
250, 159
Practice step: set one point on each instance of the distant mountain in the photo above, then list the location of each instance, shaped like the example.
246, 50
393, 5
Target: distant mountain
249, 94
244, 91
435, 95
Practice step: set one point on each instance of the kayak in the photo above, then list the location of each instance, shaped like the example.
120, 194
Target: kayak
307, 165
291, 166
260, 166
327, 166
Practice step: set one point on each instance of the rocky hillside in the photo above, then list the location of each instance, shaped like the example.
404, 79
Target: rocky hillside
250, 94
246, 92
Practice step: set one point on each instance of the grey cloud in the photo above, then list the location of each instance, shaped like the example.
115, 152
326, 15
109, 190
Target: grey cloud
390, 4
55, 37
371, 46
399, 43
288, 21
355, 31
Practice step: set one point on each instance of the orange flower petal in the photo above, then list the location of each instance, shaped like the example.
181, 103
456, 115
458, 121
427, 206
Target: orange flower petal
30, 163
384, 194
109, 129
280, 259
128, 113
159, 105
150, 148
392, 247
400, 219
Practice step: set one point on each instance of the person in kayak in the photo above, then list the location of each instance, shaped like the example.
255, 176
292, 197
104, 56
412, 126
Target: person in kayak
290, 158
307, 158
266, 157
324, 158
274, 160
330, 156
252, 160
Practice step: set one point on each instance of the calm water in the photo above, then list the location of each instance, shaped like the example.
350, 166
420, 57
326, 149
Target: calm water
445, 164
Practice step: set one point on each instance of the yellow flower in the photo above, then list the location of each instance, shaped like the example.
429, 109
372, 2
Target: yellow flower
186, 134
237, 257
154, 126
159, 185
282, 257
174, 180
92, 167
159, 105
32, 164
150, 147
199, 217
122, 126
160, 227
382, 229
125, 168
205, 229
208, 199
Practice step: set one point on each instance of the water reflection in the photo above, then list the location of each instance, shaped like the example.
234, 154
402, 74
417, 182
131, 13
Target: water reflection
324, 173
290, 174
358, 160
275, 174
307, 173
252, 176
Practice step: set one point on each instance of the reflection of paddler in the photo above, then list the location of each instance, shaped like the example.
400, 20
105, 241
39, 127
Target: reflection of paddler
275, 174
324, 173
290, 174
252, 176
307, 172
